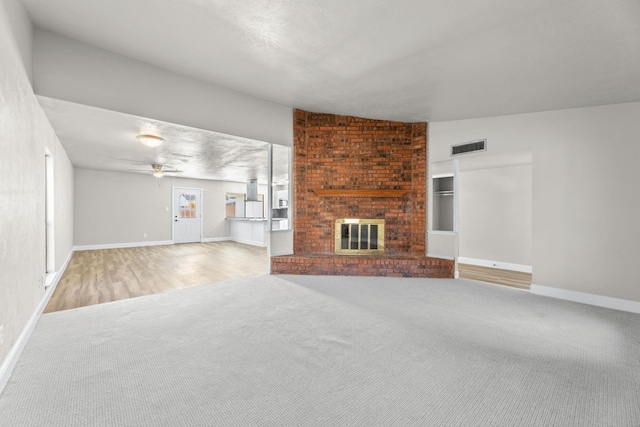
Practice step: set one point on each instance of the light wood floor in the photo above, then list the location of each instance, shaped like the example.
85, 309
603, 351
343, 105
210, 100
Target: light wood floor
98, 276
497, 276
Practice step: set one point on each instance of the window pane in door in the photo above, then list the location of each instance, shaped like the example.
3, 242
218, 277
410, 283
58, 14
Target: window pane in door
187, 205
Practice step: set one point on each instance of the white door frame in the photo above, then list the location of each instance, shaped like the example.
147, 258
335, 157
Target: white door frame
174, 213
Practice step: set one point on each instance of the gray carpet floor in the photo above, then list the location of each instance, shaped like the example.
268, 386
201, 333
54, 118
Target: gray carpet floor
330, 351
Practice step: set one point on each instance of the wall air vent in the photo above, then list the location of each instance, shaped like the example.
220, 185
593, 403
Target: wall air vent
469, 147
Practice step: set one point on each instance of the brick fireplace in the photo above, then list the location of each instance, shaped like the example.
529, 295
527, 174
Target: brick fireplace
351, 167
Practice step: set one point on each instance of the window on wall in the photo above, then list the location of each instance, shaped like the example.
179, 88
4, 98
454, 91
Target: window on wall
281, 189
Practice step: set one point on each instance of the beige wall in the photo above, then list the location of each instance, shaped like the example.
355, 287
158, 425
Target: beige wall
114, 207
585, 232
24, 134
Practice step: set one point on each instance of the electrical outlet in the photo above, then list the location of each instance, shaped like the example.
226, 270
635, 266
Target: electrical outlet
145, 234
1, 334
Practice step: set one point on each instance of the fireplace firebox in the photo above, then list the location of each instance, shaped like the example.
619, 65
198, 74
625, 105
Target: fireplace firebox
356, 236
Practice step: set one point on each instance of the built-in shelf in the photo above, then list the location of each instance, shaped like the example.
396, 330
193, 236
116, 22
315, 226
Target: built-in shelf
360, 193
443, 203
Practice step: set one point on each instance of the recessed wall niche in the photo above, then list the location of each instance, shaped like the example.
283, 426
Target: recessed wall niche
443, 203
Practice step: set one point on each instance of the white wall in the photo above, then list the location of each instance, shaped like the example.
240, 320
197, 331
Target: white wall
585, 231
74, 71
117, 207
495, 214
24, 134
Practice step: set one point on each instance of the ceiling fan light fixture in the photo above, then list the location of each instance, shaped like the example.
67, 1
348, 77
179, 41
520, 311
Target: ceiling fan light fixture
150, 140
158, 170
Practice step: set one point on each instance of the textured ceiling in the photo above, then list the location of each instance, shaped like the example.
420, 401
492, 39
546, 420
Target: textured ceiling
102, 139
406, 60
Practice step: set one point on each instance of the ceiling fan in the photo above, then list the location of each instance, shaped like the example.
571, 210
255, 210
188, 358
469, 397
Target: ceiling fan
158, 170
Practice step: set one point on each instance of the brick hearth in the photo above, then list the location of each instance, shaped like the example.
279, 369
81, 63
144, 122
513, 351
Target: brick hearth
350, 167
344, 265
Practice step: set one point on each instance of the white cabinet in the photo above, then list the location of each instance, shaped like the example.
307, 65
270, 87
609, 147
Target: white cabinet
251, 232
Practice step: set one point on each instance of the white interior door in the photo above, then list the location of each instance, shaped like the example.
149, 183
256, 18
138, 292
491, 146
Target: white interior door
187, 215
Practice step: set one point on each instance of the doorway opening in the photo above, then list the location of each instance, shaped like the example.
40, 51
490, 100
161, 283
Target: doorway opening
495, 218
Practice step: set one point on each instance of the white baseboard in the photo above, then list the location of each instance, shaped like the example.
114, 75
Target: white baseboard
496, 264
12, 358
53, 278
441, 257
585, 298
137, 244
215, 239
282, 253
122, 245
249, 242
